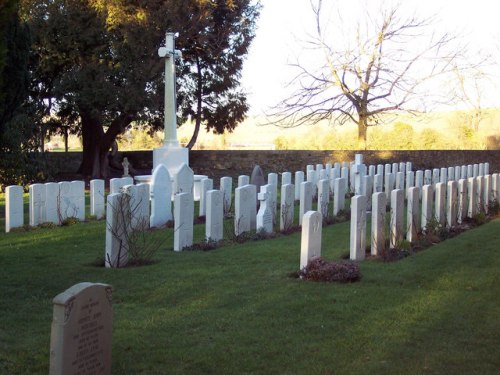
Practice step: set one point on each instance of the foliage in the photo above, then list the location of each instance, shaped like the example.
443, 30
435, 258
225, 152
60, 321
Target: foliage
17, 166
320, 270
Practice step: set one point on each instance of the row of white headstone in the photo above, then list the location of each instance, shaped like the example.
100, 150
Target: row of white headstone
446, 204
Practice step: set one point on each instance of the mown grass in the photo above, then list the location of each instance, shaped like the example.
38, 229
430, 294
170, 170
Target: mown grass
235, 309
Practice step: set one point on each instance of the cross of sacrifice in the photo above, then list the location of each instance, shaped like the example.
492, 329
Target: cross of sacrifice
170, 54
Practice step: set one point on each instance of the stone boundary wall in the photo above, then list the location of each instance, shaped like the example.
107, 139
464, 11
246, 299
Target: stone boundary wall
216, 164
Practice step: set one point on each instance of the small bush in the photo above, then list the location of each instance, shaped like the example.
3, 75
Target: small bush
494, 207
47, 225
321, 270
69, 221
207, 245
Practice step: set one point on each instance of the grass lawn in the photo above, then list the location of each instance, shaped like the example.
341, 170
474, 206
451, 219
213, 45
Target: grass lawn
235, 310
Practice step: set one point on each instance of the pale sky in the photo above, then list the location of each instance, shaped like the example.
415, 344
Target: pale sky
284, 22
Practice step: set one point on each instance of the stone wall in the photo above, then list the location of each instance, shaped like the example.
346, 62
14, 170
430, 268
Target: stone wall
216, 164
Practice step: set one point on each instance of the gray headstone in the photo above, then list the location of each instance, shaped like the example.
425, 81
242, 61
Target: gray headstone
81, 333
257, 178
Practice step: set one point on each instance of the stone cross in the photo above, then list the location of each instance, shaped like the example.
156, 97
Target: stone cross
169, 52
126, 165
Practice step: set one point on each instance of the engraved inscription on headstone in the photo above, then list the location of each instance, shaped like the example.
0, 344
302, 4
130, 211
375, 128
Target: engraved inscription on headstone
81, 334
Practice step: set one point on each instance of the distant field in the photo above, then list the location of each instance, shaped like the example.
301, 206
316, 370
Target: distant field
439, 130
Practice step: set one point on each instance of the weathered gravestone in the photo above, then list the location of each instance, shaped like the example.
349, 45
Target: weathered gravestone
14, 214
427, 204
310, 246
81, 333
451, 203
257, 177
413, 214
323, 197
306, 198
52, 203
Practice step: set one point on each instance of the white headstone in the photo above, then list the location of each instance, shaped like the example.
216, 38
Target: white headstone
161, 193
463, 172
226, 186
413, 214
402, 167
339, 191
410, 180
97, 205
481, 169
358, 228
265, 213
52, 203
36, 204
115, 184
486, 168
487, 193
495, 186
14, 214
475, 170
214, 223
395, 168
287, 206
81, 332
440, 201
378, 183
443, 175
286, 178
184, 180
183, 219
462, 200
306, 199
117, 230
396, 225
323, 197
380, 169
243, 180
207, 184
451, 203
311, 177
310, 244
65, 200
479, 193
435, 176
388, 184
427, 177
451, 173
472, 196
299, 179
458, 173
419, 181
367, 190
272, 179
139, 205
379, 205
245, 209
409, 166
388, 169
371, 170
470, 171
77, 192
427, 205
400, 181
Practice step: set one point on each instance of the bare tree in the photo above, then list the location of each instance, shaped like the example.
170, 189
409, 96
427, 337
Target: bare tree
382, 66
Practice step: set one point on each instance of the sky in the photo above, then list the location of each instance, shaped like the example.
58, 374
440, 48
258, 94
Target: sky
283, 24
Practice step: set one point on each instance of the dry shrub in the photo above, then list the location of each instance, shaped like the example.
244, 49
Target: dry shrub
322, 270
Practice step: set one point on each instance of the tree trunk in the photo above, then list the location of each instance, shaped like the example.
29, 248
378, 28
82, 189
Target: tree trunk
362, 130
199, 92
66, 136
92, 134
